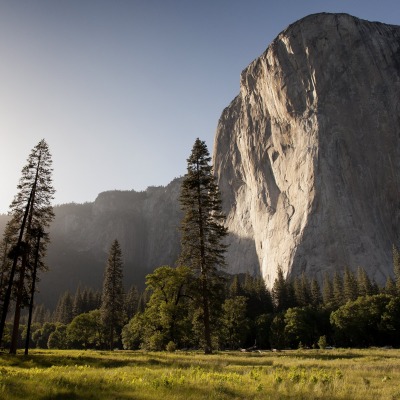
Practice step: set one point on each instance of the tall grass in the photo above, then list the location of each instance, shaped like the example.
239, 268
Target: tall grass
306, 374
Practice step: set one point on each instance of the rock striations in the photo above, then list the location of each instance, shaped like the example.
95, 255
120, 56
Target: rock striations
308, 154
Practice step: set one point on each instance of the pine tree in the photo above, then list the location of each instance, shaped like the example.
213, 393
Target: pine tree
364, 284
338, 292
31, 211
6, 262
302, 293
235, 288
131, 302
281, 292
315, 293
39, 315
91, 300
390, 287
112, 300
64, 309
77, 307
350, 289
144, 298
327, 291
203, 233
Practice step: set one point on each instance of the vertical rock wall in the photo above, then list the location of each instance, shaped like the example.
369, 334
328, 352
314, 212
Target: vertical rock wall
307, 155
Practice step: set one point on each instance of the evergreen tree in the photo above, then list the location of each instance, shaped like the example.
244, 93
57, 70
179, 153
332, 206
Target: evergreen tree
5, 267
64, 309
315, 293
31, 211
302, 293
259, 299
263, 296
203, 233
131, 302
390, 287
91, 300
40, 314
337, 286
235, 288
112, 301
364, 284
235, 322
78, 306
144, 298
327, 291
281, 292
350, 289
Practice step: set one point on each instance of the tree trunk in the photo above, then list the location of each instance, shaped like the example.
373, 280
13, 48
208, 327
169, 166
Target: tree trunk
20, 289
7, 296
28, 330
111, 337
206, 316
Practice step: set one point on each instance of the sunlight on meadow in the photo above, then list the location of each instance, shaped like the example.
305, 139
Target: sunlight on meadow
305, 374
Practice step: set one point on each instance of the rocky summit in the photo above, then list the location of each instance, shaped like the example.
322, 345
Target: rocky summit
308, 154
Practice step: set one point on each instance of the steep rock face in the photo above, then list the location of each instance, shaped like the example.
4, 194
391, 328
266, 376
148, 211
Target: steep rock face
145, 223
307, 155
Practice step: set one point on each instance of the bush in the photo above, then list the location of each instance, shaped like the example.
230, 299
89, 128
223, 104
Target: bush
132, 333
171, 346
58, 339
322, 342
155, 342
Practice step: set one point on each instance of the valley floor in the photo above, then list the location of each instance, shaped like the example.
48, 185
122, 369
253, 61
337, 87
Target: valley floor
299, 374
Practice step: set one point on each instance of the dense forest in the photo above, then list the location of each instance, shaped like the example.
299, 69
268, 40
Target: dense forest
348, 310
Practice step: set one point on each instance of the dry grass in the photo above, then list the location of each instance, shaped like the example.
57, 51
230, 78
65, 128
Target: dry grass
306, 374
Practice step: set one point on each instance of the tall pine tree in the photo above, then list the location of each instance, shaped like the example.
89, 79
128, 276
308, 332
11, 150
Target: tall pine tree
64, 309
350, 287
31, 211
112, 299
281, 295
203, 232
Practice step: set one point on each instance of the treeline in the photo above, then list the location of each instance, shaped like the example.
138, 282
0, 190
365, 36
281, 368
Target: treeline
347, 309
193, 305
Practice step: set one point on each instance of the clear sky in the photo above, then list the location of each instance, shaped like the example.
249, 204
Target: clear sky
120, 89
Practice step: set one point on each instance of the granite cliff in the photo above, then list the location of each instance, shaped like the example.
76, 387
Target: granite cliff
308, 154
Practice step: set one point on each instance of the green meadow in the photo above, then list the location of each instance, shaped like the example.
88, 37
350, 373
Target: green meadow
298, 374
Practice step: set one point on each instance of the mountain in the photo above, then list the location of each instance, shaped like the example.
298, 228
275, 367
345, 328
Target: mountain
145, 224
308, 154
307, 157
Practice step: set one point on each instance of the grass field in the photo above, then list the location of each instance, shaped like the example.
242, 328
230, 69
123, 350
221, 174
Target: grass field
300, 374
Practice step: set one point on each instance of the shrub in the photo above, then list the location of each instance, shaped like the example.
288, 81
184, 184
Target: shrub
155, 342
171, 346
322, 342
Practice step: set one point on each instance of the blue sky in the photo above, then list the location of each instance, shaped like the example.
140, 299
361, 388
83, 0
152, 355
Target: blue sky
121, 89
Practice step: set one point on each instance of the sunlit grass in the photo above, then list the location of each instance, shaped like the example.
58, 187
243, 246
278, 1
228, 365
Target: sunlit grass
306, 374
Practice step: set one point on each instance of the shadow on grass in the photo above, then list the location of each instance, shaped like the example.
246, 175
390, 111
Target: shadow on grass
62, 396
44, 361
317, 355
120, 359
